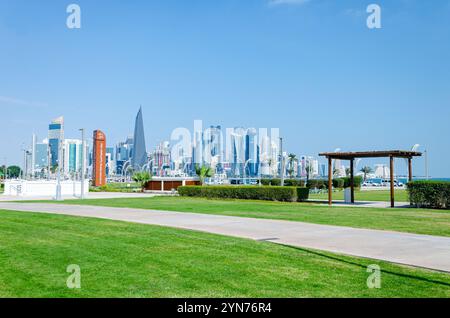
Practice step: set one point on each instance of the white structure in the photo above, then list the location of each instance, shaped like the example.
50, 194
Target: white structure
24, 188
382, 171
72, 156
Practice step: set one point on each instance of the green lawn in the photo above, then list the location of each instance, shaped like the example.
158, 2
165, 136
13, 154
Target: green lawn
421, 221
119, 259
375, 195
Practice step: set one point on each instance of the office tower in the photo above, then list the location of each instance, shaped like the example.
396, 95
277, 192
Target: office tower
110, 162
124, 151
161, 158
251, 153
139, 157
99, 159
55, 137
41, 155
212, 142
238, 150
72, 154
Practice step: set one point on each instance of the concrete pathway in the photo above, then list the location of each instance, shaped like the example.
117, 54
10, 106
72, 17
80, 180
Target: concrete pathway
410, 249
90, 195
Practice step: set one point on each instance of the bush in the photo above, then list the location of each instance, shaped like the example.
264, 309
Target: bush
357, 181
431, 194
338, 183
273, 193
287, 182
302, 194
294, 183
317, 184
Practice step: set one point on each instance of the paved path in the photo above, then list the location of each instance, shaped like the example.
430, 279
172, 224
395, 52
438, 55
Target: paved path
411, 249
90, 195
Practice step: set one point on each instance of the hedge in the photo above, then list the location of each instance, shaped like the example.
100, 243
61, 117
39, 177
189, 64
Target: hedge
273, 193
430, 194
287, 182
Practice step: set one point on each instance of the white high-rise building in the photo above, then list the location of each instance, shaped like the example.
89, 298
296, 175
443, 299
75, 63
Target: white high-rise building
72, 156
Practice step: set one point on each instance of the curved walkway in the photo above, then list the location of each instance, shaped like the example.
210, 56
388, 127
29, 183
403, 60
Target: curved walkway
410, 249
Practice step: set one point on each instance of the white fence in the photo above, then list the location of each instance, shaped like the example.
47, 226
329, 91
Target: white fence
26, 188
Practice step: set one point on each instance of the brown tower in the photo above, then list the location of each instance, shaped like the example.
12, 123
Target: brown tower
99, 159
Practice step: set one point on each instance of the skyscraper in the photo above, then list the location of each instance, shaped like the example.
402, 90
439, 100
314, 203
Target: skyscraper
139, 157
55, 136
99, 159
251, 153
72, 154
124, 151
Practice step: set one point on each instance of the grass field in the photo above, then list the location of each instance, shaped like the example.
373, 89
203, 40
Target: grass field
375, 195
119, 259
421, 221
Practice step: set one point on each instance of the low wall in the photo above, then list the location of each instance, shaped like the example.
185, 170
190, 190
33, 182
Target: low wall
169, 184
26, 188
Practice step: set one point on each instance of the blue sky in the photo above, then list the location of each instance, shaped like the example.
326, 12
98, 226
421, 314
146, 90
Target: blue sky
311, 68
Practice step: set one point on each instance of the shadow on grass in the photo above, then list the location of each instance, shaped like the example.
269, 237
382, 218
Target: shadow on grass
342, 260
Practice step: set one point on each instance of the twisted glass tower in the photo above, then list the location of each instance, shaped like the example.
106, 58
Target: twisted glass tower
139, 155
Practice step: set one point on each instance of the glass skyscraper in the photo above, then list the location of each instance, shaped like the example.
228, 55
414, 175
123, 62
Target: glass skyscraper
139, 157
55, 136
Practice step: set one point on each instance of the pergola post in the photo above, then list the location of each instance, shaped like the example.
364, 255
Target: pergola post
410, 174
352, 180
330, 181
391, 159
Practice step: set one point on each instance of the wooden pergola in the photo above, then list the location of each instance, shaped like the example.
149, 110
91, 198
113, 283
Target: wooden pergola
351, 156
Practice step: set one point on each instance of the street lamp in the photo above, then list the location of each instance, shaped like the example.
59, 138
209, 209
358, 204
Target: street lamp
245, 166
83, 161
58, 196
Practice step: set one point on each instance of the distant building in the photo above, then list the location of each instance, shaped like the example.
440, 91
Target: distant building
99, 159
110, 162
55, 137
41, 154
139, 156
251, 153
161, 158
73, 156
124, 151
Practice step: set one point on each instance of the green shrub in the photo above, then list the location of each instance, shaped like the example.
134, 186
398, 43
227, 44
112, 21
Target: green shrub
338, 183
357, 181
294, 183
317, 184
302, 194
269, 193
431, 194
271, 182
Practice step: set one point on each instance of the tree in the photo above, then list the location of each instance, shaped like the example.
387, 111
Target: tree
347, 172
292, 158
14, 172
143, 178
366, 170
203, 172
309, 171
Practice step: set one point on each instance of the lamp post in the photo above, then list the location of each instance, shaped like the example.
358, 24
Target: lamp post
426, 164
58, 196
83, 162
282, 162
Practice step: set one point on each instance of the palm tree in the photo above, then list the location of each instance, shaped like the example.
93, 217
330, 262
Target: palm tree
366, 170
292, 158
204, 172
143, 178
270, 163
309, 170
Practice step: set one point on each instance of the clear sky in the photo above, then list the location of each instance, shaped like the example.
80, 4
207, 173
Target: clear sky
311, 68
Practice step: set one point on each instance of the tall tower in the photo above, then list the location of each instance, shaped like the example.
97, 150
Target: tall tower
55, 137
99, 159
139, 157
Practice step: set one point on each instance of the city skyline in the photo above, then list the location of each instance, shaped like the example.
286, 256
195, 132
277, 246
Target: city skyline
318, 89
